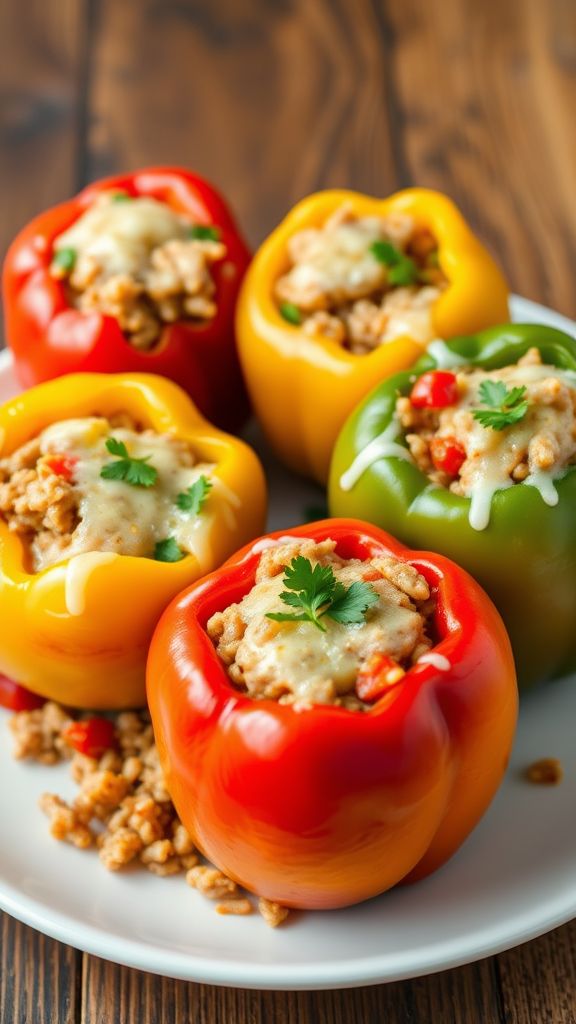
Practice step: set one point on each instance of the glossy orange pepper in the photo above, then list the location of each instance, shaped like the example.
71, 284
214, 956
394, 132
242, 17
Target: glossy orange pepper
78, 631
303, 387
325, 807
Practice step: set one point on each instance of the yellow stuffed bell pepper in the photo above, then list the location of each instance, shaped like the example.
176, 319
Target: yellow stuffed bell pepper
305, 366
78, 630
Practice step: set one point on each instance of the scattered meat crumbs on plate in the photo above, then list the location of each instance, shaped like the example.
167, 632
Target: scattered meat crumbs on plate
547, 771
123, 807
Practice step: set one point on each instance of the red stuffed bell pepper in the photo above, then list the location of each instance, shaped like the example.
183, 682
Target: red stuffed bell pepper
139, 272
333, 792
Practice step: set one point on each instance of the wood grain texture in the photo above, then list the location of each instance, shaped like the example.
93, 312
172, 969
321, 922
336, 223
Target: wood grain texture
466, 995
273, 100
39, 978
42, 50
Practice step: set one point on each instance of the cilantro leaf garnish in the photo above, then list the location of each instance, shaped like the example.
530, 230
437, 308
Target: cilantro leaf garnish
192, 499
316, 592
132, 471
505, 407
168, 551
402, 269
64, 259
291, 313
204, 232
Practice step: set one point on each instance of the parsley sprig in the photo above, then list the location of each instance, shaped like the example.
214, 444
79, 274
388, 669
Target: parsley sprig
135, 472
505, 407
193, 498
402, 270
316, 592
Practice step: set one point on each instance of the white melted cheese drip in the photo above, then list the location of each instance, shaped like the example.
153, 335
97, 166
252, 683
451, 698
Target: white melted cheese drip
436, 660
380, 447
443, 356
120, 236
492, 450
124, 519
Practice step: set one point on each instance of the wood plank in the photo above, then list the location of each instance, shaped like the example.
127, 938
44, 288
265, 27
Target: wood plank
42, 46
490, 119
269, 101
38, 977
538, 980
467, 995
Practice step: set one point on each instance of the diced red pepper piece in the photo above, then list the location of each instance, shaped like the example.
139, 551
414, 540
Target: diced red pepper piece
92, 736
62, 465
377, 675
447, 454
435, 390
18, 698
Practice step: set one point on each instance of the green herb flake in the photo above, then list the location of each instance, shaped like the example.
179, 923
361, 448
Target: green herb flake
402, 270
505, 407
120, 197
135, 472
291, 313
192, 499
403, 273
168, 551
204, 232
316, 592
386, 253
64, 259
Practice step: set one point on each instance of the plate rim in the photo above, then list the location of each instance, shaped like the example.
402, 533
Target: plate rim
378, 969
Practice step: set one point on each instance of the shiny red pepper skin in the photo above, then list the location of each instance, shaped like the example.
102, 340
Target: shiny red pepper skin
15, 697
49, 338
326, 807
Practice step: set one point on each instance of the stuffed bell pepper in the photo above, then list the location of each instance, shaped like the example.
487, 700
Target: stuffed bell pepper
344, 293
333, 712
138, 273
473, 452
114, 495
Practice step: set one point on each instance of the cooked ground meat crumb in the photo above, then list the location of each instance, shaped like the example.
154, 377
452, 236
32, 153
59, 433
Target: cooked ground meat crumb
344, 292
123, 808
546, 772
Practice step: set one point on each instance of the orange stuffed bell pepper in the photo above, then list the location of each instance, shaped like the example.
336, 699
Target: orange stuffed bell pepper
115, 494
346, 292
319, 792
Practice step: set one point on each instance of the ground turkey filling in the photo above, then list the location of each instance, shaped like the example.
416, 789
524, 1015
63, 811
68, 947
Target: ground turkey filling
295, 663
138, 261
53, 496
534, 450
362, 281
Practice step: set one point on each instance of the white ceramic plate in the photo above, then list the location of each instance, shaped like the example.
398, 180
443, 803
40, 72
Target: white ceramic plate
514, 878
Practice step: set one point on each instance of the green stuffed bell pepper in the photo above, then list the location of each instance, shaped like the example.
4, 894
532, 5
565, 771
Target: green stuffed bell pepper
472, 453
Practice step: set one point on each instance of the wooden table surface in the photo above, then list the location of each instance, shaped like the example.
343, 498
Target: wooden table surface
273, 100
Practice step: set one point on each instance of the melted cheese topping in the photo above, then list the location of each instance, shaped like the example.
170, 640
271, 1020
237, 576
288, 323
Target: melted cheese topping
314, 666
492, 455
120, 236
115, 516
336, 261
